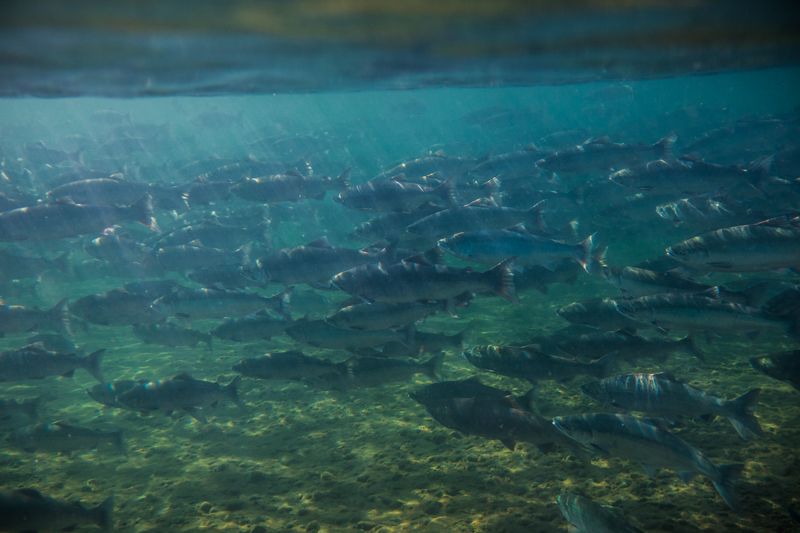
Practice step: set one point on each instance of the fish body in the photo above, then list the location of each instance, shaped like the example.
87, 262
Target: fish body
708, 214
586, 516
365, 372
465, 388
292, 365
409, 281
26, 266
34, 362
19, 319
538, 277
532, 364
392, 225
511, 166
214, 235
492, 247
395, 194
769, 245
628, 347
193, 256
123, 306
216, 302
29, 407
783, 366
599, 313
106, 393
172, 335
62, 219
424, 166
321, 334
253, 327
313, 263
637, 439
475, 217
181, 392
116, 248
64, 438
26, 510
384, 315
602, 154
694, 312
105, 191
663, 395
291, 186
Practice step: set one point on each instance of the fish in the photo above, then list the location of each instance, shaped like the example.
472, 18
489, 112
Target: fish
708, 214
395, 194
520, 164
663, 395
602, 154
476, 217
321, 334
637, 282
168, 334
533, 365
599, 313
392, 225
25, 510
18, 267
117, 248
436, 162
112, 190
783, 366
386, 315
500, 418
231, 277
695, 312
216, 302
195, 255
258, 326
29, 407
410, 281
538, 277
290, 186
586, 516
769, 245
63, 218
34, 362
291, 365
38, 153
628, 347
106, 393
642, 440
687, 175
465, 388
491, 247
365, 372
123, 306
180, 392
19, 319
313, 263
63, 437
214, 235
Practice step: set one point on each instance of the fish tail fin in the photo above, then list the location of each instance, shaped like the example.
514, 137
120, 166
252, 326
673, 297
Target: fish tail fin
447, 192
581, 454
59, 316
665, 146
726, 486
754, 296
741, 413
504, 280
794, 328
209, 340
232, 391
433, 367
284, 299
578, 193
63, 264
92, 364
602, 367
103, 514
533, 216
689, 343
586, 259
119, 441
463, 336
143, 213
343, 181
31, 407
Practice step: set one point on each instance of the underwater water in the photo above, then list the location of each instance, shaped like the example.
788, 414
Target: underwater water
343, 455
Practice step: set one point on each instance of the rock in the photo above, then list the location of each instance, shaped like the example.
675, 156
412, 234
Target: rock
205, 507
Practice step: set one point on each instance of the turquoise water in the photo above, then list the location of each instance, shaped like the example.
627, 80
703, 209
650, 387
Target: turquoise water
373, 459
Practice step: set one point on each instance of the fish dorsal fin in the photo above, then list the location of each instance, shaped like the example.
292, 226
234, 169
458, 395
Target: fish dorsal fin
262, 312
184, 376
31, 493
322, 242
195, 243
293, 172
668, 375
519, 228
602, 140
530, 147
777, 222
419, 259
439, 153
64, 200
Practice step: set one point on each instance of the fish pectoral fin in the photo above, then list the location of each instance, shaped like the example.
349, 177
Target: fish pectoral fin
68, 374
509, 443
687, 476
651, 471
546, 447
197, 414
600, 450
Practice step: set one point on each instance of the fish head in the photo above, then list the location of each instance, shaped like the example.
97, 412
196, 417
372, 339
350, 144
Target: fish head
574, 427
346, 281
625, 177
613, 275
456, 245
254, 274
693, 251
595, 391
162, 306
567, 503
